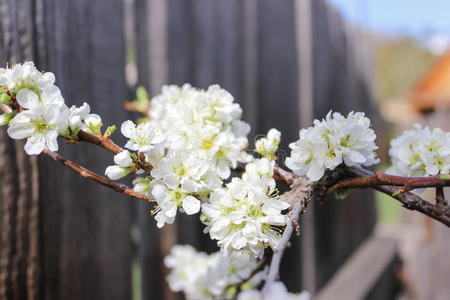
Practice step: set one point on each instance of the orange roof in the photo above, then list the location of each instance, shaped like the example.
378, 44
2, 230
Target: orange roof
433, 90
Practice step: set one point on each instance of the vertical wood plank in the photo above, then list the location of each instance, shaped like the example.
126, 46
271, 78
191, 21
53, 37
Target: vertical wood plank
154, 243
277, 96
340, 226
306, 112
18, 192
86, 247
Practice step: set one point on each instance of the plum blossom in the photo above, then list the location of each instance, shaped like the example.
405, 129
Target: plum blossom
39, 113
268, 145
420, 152
26, 76
40, 123
205, 120
243, 216
203, 276
180, 179
331, 142
142, 137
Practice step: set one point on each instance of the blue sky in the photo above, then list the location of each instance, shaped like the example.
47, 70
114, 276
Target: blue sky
398, 16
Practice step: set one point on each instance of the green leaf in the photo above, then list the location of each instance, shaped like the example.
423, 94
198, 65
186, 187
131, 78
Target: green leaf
109, 131
445, 177
142, 94
4, 98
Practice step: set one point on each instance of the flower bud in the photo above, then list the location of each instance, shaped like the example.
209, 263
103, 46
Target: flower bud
116, 172
75, 123
93, 123
123, 159
268, 145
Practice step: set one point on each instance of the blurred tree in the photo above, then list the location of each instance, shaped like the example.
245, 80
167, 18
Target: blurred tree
399, 63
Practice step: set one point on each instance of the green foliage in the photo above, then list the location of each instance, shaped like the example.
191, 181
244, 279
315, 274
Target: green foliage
142, 102
4, 98
109, 131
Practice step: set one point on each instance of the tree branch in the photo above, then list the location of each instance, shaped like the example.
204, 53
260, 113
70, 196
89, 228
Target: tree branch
409, 200
109, 144
121, 188
379, 178
299, 196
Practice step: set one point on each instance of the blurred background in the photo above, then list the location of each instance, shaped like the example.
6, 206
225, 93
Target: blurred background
286, 62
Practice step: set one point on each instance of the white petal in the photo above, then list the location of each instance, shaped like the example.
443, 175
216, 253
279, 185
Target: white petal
128, 129
51, 138
223, 170
27, 98
35, 144
171, 181
159, 191
315, 170
20, 131
170, 209
191, 205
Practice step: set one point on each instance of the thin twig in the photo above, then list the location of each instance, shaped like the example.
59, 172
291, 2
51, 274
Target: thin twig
264, 262
109, 144
121, 188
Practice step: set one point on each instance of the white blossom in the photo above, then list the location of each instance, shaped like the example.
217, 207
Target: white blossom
205, 120
40, 125
26, 76
243, 215
268, 145
276, 291
180, 179
331, 142
142, 137
77, 116
203, 276
420, 152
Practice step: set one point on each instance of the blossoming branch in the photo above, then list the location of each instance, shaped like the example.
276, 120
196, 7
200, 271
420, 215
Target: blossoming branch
181, 157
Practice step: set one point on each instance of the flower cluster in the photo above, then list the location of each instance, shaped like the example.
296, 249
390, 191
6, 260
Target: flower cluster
330, 142
204, 120
276, 291
203, 276
192, 139
37, 109
243, 216
420, 152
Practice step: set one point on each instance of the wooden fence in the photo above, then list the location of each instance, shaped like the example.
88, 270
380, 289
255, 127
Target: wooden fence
63, 237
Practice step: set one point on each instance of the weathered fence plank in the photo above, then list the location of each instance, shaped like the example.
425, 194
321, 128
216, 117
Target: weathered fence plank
340, 225
18, 206
85, 228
